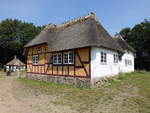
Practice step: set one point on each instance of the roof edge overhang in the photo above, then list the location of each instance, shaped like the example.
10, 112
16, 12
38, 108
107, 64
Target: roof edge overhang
119, 51
35, 45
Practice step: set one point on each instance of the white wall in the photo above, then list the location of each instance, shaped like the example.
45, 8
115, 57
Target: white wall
127, 68
99, 69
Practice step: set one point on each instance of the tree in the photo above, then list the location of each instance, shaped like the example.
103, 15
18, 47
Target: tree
139, 38
14, 34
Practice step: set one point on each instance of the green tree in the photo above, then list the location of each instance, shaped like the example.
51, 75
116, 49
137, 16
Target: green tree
14, 34
139, 38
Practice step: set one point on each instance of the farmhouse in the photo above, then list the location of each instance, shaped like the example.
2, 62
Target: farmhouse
77, 52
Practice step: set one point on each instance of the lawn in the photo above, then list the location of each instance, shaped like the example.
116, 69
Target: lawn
127, 93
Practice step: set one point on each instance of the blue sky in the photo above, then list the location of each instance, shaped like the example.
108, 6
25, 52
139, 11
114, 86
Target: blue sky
113, 14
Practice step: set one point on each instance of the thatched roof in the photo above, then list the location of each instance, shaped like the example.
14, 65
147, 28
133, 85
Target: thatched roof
81, 32
123, 44
15, 62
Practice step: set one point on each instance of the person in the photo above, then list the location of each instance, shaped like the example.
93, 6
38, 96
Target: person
8, 72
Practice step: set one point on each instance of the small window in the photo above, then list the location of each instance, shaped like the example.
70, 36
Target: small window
35, 59
57, 58
128, 62
39, 49
131, 62
68, 58
54, 59
119, 57
115, 58
65, 58
103, 57
71, 58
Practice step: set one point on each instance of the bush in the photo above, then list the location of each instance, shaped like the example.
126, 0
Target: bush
1, 67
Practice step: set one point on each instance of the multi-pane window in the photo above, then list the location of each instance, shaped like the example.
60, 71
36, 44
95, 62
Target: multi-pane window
103, 57
35, 59
65, 58
68, 58
57, 58
119, 57
115, 58
128, 62
71, 58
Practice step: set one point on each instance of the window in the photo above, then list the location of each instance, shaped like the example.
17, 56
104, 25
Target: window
115, 58
57, 58
119, 57
128, 62
71, 58
103, 57
39, 49
65, 58
68, 58
35, 59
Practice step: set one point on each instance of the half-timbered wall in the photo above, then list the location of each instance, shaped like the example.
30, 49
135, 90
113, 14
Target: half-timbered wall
80, 67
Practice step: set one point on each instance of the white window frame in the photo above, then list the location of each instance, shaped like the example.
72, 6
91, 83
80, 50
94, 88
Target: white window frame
57, 55
35, 59
103, 57
116, 59
65, 58
68, 58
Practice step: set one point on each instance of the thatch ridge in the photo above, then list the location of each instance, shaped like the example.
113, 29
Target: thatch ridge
53, 27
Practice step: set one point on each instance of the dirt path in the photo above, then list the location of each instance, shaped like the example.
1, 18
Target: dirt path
14, 99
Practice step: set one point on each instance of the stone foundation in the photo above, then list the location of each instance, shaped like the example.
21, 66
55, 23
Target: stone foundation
103, 81
81, 82
77, 81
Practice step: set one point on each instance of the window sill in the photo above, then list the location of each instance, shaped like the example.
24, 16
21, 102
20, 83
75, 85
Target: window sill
63, 64
34, 64
38, 64
103, 63
115, 63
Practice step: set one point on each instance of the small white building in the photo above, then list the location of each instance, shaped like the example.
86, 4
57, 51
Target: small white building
15, 64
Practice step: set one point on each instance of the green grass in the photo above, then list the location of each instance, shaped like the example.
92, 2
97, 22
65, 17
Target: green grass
138, 82
126, 93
